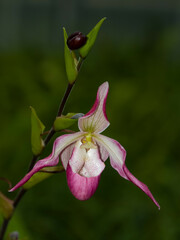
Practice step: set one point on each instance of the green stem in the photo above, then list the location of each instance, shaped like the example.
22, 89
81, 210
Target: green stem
64, 100
35, 158
80, 62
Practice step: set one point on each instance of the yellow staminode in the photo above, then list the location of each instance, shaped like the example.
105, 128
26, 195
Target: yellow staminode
87, 142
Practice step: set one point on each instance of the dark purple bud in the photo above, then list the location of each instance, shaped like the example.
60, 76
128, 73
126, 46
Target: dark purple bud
76, 40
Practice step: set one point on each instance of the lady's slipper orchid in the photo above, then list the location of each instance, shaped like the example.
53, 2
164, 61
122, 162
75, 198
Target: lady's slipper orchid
83, 153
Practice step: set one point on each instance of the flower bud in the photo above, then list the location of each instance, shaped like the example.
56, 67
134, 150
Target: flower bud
77, 116
76, 40
14, 236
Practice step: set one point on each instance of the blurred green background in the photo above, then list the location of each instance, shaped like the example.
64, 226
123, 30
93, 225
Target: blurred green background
138, 53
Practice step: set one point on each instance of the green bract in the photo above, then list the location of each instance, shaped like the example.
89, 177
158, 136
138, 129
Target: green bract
70, 61
64, 122
37, 128
6, 206
42, 175
91, 39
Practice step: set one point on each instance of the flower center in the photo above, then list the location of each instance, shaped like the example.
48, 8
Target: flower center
87, 142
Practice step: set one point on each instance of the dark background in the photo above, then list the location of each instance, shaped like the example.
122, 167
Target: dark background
138, 53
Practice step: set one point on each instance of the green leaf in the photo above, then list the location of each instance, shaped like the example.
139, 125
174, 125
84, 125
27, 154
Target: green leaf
43, 174
91, 39
69, 115
6, 206
37, 128
70, 61
64, 122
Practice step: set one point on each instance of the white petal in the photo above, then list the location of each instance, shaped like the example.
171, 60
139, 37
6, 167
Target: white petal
103, 152
86, 163
66, 155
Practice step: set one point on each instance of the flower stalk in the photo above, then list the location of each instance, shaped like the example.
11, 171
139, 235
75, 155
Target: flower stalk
34, 159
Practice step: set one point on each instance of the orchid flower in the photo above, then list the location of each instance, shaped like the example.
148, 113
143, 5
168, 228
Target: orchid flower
83, 154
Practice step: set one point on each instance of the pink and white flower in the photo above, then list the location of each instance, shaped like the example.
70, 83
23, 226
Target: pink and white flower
84, 153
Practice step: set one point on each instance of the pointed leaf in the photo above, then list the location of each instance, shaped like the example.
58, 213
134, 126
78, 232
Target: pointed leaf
70, 61
37, 129
91, 39
64, 122
70, 115
42, 175
6, 206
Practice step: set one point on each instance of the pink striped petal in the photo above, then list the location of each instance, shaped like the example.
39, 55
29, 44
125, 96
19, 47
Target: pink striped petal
59, 144
139, 184
81, 187
117, 156
96, 120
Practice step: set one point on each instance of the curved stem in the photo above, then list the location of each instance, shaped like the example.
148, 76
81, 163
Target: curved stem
35, 158
64, 100
4, 227
80, 62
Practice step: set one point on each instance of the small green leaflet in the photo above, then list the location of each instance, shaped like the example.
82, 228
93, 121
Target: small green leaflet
6, 206
37, 128
43, 174
92, 35
70, 61
64, 122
